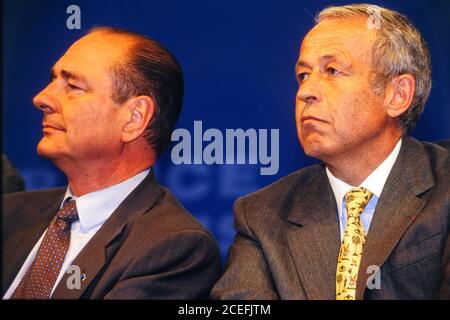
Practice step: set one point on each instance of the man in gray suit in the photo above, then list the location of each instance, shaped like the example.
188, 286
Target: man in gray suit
114, 232
372, 221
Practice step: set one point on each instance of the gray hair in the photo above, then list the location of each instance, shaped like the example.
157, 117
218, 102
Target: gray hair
398, 49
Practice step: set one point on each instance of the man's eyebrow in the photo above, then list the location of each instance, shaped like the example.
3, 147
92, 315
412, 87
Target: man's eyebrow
74, 76
324, 59
336, 57
302, 63
69, 75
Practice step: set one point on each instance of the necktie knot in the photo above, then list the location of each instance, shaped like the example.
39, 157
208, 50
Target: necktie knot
357, 199
68, 212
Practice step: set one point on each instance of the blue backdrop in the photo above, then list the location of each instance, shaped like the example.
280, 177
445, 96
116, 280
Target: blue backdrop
238, 59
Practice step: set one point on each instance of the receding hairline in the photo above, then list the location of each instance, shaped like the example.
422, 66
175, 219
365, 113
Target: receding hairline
121, 60
134, 38
356, 18
115, 32
362, 10
358, 24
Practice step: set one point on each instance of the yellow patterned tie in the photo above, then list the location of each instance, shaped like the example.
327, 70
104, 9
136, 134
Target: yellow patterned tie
352, 245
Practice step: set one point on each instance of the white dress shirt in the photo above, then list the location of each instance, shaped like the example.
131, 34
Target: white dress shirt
374, 183
93, 210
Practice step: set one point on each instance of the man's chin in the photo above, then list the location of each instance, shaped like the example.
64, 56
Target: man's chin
316, 146
313, 153
48, 151
314, 150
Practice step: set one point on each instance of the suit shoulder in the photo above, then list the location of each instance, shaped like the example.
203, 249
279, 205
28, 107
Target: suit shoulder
444, 144
166, 224
20, 208
170, 216
273, 195
438, 153
33, 198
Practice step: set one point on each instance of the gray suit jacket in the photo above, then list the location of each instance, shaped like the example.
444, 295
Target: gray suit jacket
288, 240
149, 248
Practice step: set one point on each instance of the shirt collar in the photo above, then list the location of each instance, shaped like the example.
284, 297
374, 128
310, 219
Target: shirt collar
95, 207
374, 182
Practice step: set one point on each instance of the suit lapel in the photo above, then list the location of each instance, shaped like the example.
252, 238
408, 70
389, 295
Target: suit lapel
104, 244
397, 207
35, 220
314, 237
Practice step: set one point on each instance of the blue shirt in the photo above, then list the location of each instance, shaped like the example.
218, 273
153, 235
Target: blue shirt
374, 183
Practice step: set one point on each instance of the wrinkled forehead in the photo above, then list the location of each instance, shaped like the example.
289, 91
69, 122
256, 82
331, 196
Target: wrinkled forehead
348, 36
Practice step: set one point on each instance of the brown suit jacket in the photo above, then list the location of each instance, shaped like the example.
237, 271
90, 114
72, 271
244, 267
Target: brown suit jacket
149, 248
288, 241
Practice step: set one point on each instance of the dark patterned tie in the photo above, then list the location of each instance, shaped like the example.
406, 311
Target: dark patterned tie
41, 276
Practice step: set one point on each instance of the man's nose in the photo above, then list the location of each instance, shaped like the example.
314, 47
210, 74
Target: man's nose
309, 90
46, 100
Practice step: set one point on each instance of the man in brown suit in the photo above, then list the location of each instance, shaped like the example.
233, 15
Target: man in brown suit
114, 232
372, 221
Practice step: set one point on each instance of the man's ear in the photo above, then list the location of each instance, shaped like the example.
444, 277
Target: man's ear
140, 111
399, 95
